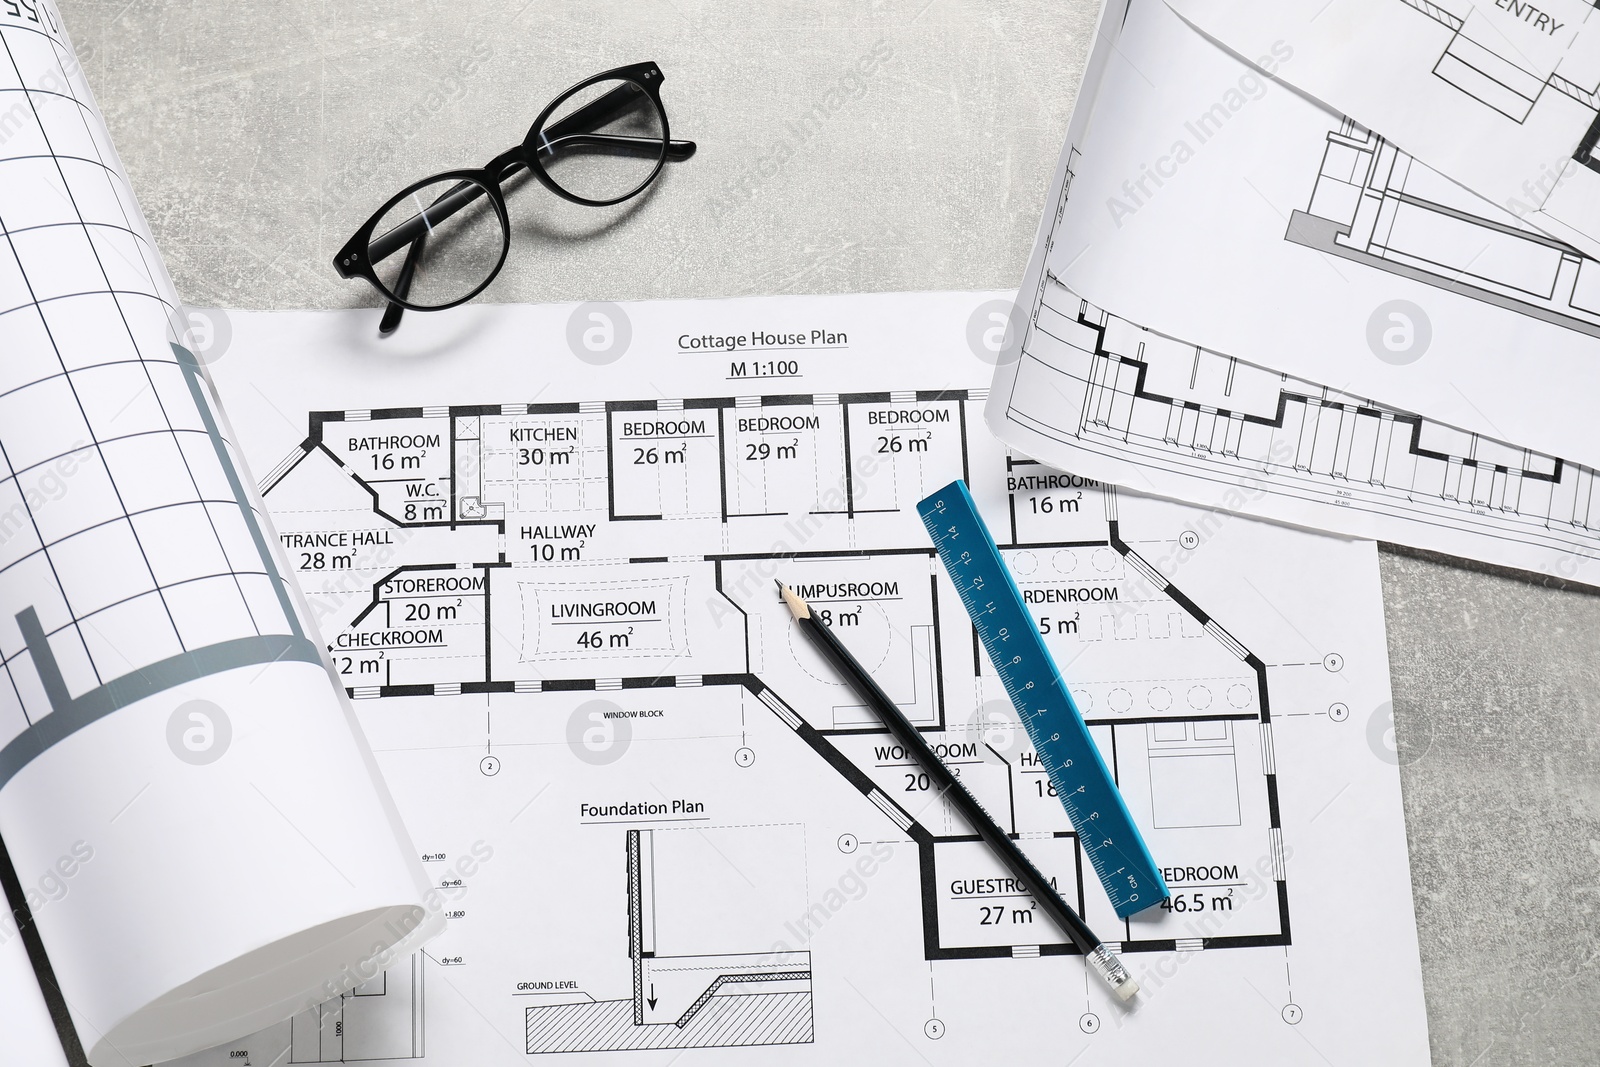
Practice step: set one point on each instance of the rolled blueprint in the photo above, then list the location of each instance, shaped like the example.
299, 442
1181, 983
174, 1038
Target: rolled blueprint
177, 762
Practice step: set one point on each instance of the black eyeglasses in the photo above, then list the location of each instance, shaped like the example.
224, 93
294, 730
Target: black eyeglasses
599, 143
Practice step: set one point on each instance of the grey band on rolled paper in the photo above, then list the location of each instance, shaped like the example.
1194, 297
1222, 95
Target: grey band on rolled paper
166, 708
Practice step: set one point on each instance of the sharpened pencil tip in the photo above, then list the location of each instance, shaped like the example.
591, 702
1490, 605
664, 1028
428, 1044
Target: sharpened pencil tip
797, 607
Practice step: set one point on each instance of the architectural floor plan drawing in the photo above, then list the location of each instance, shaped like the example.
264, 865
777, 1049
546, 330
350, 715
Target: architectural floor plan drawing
1482, 61
1372, 204
1502, 97
1104, 392
661, 828
1215, 205
535, 617
1135, 407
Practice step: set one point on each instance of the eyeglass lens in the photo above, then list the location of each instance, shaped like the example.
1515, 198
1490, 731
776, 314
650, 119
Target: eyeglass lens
604, 141
438, 243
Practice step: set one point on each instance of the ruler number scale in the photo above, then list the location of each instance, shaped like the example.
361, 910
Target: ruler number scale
1084, 785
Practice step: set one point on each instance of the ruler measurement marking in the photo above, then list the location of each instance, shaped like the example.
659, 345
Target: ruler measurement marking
1104, 828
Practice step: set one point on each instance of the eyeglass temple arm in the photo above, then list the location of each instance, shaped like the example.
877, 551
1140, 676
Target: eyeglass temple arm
402, 287
597, 112
618, 144
448, 203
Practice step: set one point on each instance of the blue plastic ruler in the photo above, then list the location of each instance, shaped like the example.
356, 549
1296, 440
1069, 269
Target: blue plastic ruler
1011, 637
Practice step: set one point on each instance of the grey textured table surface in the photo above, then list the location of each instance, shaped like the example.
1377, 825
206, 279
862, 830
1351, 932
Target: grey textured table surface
258, 136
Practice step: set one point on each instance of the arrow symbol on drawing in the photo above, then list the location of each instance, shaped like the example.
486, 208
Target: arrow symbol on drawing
652, 998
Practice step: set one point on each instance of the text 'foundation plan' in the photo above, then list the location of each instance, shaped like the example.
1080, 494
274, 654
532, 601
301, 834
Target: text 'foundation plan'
544, 565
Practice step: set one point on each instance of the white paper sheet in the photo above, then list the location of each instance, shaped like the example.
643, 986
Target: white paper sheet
1210, 204
30, 1036
542, 543
1503, 97
163, 701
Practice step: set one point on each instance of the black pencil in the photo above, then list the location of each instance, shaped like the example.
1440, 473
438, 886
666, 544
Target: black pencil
1102, 959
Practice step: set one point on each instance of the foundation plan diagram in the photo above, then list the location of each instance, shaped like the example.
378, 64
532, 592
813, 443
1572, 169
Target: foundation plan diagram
660, 826
1374, 205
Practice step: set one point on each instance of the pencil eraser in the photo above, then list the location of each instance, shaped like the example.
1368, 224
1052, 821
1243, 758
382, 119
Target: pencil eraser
1126, 990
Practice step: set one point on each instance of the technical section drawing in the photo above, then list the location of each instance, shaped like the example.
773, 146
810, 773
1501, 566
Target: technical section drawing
1167, 235
1588, 152
1375, 205
688, 1000
1510, 77
1483, 63
1490, 77
1210, 427
380, 1019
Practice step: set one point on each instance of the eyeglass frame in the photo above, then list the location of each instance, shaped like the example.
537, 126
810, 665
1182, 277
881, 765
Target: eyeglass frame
352, 260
